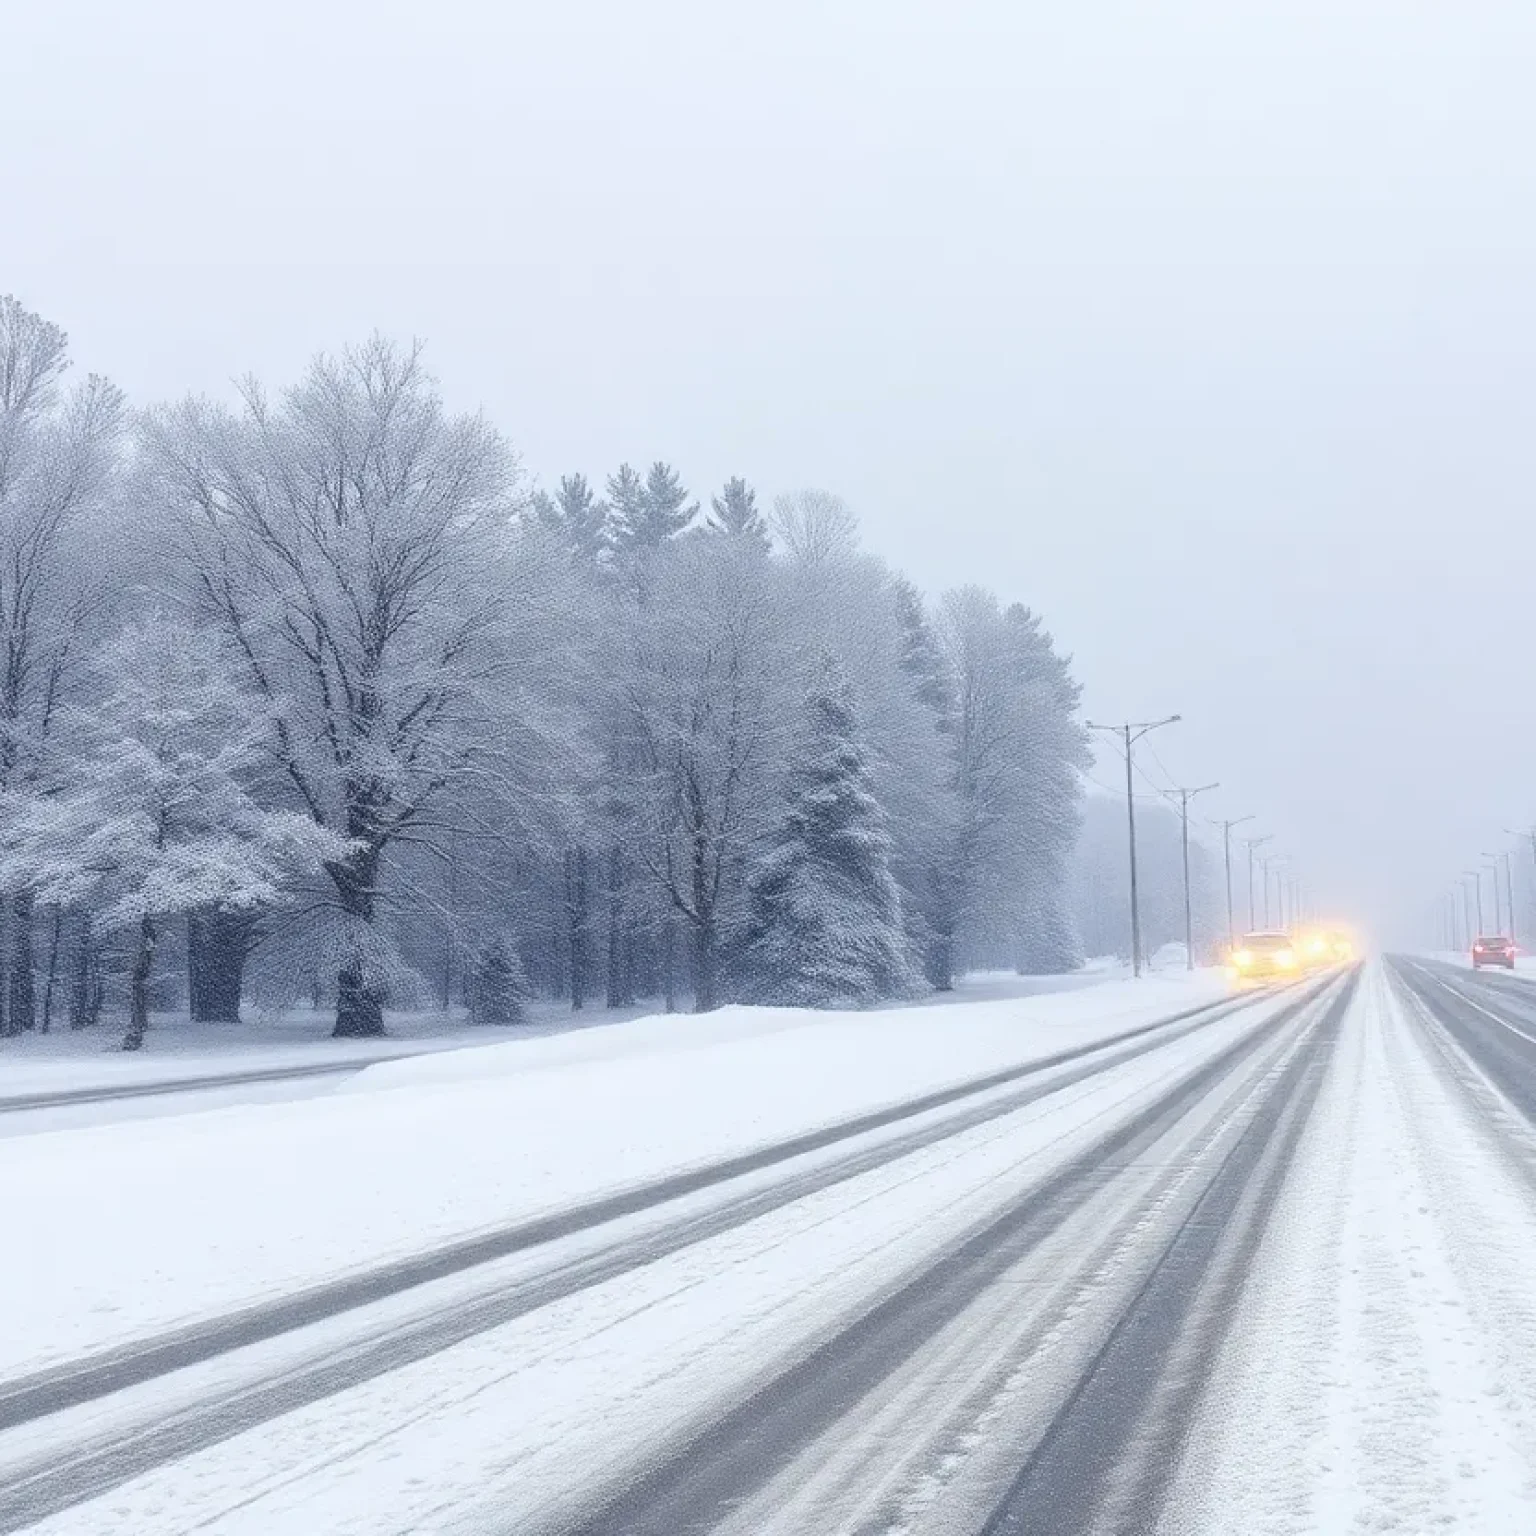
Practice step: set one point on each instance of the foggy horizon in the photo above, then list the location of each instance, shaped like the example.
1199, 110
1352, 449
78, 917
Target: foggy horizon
1208, 337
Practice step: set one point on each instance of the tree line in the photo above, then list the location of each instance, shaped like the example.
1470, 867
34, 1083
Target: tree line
312, 697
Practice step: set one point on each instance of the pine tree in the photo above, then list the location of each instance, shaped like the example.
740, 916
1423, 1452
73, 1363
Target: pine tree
626, 497
734, 511
824, 909
649, 512
497, 986
921, 658
578, 517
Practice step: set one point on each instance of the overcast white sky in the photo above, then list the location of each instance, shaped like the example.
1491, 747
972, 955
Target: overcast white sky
1207, 328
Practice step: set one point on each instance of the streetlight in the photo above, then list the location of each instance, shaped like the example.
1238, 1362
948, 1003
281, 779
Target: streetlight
1529, 832
1477, 875
1185, 796
1252, 843
1226, 850
1275, 859
1498, 898
1132, 731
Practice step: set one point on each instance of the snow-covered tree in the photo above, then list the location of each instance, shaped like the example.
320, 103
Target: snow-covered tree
703, 671
498, 987
58, 456
649, 512
352, 546
825, 912
735, 512
1016, 747
814, 527
626, 498
578, 518
153, 816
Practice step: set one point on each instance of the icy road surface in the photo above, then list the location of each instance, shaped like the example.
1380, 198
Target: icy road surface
1113, 1261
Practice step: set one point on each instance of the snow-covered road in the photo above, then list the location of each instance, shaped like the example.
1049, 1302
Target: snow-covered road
1262, 1266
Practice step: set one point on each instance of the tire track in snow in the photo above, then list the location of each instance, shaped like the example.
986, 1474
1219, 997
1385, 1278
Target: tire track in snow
51, 1390
1105, 1462
55, 1481
1380, 1374
701, 1482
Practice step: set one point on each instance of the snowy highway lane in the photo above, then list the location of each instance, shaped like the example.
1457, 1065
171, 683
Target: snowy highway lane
1262, 1267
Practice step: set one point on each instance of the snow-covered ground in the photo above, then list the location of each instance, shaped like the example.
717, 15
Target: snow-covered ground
274, 1040
536, 1406
138, 1226
1374, 1369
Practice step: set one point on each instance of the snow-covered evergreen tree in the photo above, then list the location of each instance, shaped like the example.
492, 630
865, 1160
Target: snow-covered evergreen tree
734, 511
498, 987
824, 911
649, 512
578, 518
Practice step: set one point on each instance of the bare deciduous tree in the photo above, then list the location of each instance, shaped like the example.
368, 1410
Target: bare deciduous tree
815, 527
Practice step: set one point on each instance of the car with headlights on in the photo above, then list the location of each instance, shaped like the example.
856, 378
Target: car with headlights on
1264, 957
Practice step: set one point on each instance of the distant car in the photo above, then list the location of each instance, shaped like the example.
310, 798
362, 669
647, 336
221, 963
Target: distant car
1496, 950
1320, 947
1264, 956
1316, 949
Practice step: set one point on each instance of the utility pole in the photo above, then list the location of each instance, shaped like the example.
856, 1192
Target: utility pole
1131, 731
1528, 832
1276, 859
1185, 796
1498, 895
1466, 911
1477, 875
1252, 843
1226, 851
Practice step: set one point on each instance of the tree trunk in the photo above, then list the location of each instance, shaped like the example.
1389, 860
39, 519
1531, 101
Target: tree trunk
55, 933
702, 936
359, 1005
138, 985
84, 986
359, 998
576, 912
451, 927
21, 999
620, 967
669, 963
705, 984
939, 961
218, 941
